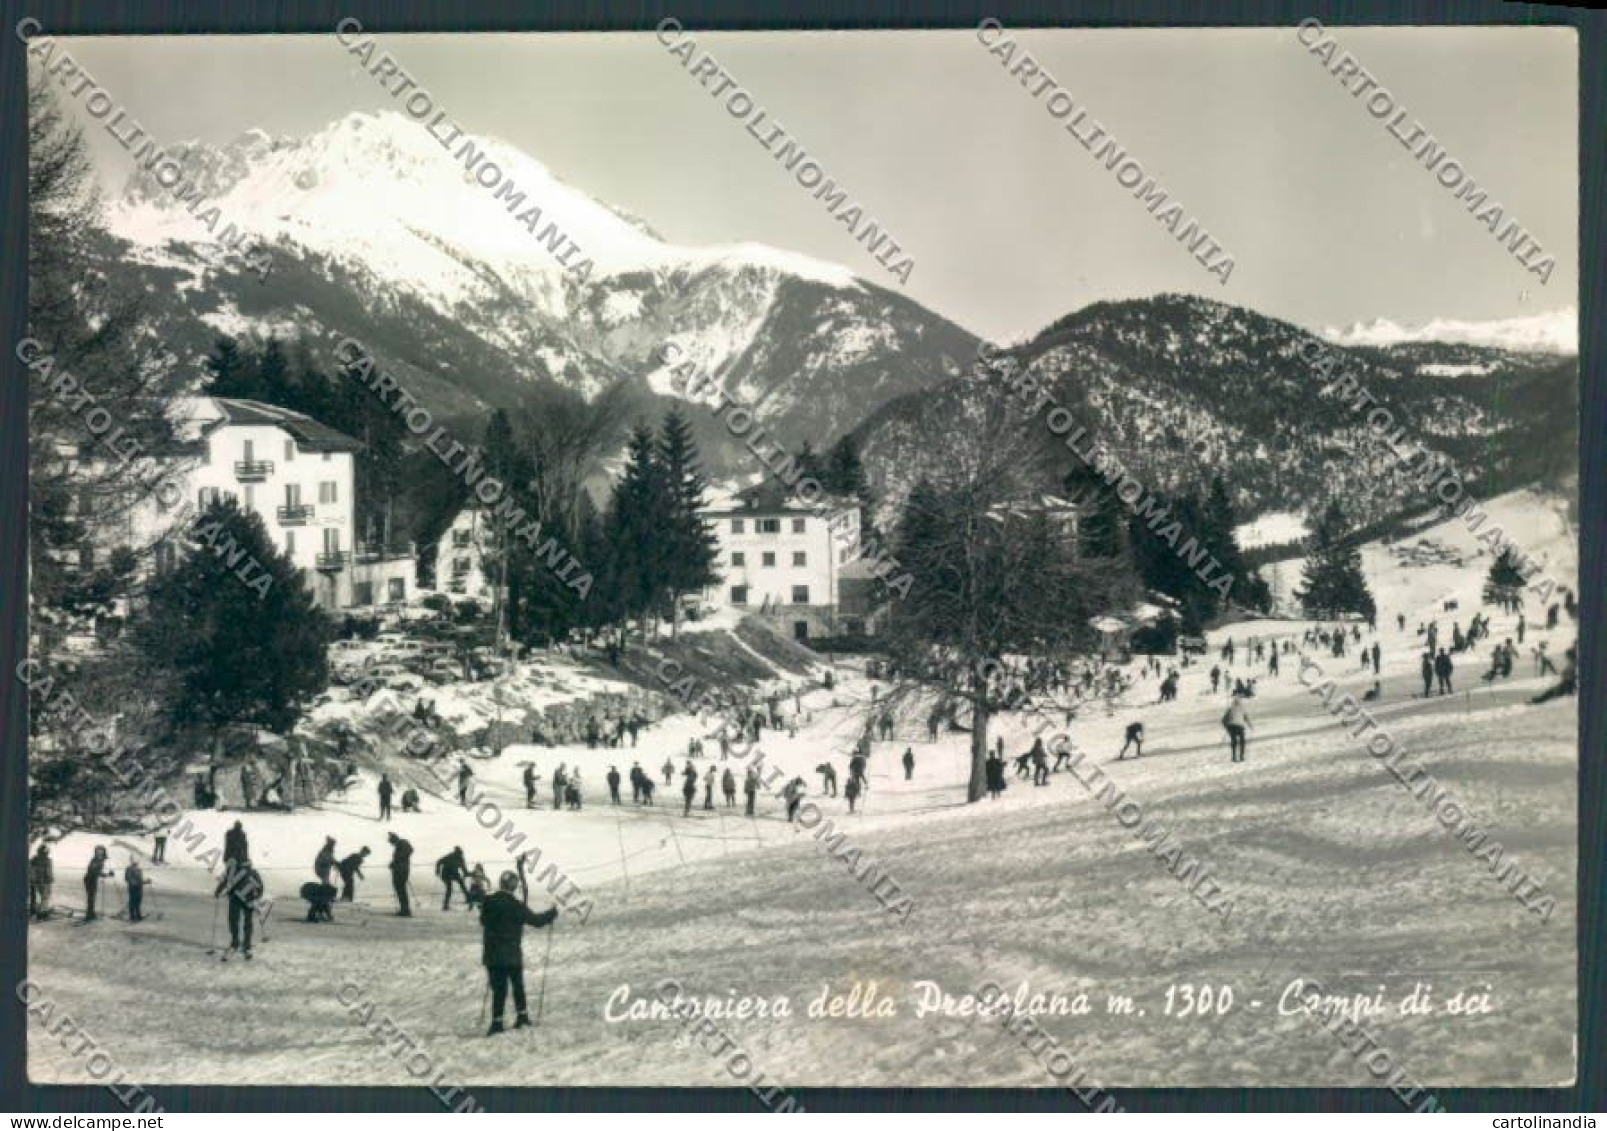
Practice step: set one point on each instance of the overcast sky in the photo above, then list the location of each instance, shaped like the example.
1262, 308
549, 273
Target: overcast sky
1010, 222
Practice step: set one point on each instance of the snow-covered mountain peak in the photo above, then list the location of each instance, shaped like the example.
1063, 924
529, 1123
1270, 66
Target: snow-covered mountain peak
1555, 331
382, 192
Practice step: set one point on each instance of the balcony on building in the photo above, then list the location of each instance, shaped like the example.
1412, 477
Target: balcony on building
333, 561
252, 470
370, 552
295, 514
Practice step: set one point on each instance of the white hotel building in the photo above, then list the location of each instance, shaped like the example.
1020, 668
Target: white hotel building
783, 558
297, 476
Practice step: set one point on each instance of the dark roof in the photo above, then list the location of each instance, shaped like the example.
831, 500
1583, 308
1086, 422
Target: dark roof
772, 497
310, 436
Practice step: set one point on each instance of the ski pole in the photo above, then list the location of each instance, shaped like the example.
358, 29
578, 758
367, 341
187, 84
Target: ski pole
546, 959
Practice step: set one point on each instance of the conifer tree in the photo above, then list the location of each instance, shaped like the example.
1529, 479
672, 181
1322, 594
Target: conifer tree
1506, 572
1333, 582
690, 548
635, 531
235, 626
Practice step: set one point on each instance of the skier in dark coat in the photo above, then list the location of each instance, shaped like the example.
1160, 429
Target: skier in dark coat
1134, 737
613, 784
794, 794
450, 869
530, 786
851, 792
1376, 653
351, 870
134, 880
401, 865
41, 876
465, 776
995, 775
503, 919
244, 886
92, 877
750, 787
1040, 763
669, 772
477, 887
1442, 671
828, 779
1428, 674
688, 788
324, 862
909, 763
385, 791
728, 786
234, 844
320, 902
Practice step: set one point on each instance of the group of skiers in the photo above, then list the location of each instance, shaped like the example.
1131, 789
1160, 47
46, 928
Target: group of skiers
42, 880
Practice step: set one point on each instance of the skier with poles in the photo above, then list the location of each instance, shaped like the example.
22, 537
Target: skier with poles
41, 875
244, 886
92, 877
450, 869
503, 919
351, 870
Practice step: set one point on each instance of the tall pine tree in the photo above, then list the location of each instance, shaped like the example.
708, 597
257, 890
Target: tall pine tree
634, 527
690, 548
238, 651
1333, 582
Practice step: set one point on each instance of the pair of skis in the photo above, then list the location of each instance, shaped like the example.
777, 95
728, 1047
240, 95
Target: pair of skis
232, 949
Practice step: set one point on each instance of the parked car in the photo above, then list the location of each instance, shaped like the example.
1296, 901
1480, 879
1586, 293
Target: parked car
349, 647
444, 671
1192, 645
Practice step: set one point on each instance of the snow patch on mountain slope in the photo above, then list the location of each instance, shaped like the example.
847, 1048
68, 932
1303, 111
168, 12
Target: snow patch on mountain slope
1271, 529
1556, 331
